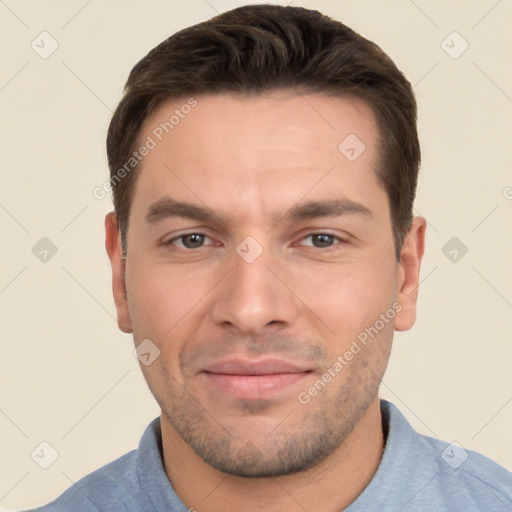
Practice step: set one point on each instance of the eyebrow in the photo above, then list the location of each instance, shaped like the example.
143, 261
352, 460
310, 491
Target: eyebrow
167, 207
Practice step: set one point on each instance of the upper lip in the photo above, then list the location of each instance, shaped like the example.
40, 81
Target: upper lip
242, 366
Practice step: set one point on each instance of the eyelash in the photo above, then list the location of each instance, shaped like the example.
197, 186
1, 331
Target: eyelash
339, 239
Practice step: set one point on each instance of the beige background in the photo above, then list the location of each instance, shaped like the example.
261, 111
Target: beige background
68, 376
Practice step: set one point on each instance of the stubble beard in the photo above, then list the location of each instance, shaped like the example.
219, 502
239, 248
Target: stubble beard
295, 445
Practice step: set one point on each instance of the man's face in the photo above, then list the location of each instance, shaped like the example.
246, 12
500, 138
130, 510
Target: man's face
281, 257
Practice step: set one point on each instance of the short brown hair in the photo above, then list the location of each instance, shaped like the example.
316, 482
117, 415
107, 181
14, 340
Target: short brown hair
258, 48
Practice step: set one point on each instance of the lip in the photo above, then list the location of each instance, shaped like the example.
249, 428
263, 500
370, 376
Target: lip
254, 379
244, 366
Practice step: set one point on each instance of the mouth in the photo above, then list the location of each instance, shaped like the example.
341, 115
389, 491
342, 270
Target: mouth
254, 379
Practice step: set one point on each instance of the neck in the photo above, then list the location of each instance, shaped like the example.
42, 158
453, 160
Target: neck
328, 487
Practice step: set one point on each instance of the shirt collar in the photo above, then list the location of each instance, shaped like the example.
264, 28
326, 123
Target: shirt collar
151, 471
394, 483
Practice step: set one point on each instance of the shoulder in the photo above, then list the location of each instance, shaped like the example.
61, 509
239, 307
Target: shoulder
107, 488
444, 475
468, 476
137, 481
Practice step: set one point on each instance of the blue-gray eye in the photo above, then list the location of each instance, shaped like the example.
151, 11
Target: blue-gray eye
189, 240
321, 240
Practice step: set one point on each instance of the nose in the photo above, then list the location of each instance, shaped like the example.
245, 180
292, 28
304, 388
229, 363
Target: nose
254, 296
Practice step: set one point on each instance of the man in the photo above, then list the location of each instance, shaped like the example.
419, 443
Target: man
263, 249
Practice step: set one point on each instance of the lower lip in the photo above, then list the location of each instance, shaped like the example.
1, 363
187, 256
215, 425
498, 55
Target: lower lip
254, 386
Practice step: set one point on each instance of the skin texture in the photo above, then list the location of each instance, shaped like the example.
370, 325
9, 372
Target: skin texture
250, 160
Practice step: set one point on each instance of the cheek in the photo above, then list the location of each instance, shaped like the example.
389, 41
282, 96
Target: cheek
348, 299
163, 300
165, 307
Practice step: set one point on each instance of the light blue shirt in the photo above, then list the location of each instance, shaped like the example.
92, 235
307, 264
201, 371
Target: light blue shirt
416, 473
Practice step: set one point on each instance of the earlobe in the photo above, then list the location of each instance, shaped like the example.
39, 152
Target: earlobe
409, 273
114, 251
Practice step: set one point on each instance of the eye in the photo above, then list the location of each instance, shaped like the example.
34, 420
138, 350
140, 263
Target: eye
322, 240
189, 240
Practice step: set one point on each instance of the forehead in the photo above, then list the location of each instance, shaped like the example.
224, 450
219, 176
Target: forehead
260, 118
259, 149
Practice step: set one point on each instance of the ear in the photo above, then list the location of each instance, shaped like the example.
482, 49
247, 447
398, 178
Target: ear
113, 246
409, 274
